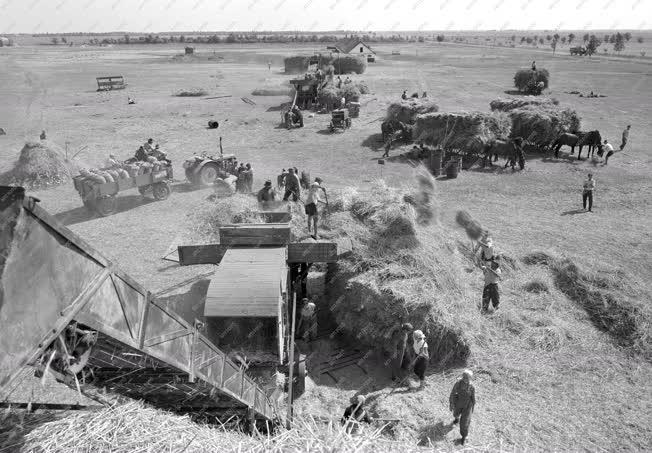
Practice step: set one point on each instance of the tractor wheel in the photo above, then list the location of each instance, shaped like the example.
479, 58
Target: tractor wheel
161, 190
208, 174
105, 205
143, 189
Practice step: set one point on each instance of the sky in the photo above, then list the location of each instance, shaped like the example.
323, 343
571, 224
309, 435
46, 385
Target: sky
151, 16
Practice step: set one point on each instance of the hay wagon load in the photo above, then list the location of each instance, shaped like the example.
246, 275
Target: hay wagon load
540, 125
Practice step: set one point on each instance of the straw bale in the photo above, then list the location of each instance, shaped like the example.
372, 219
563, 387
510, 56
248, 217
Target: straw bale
40, 166
505, 105
464, 131
406, 111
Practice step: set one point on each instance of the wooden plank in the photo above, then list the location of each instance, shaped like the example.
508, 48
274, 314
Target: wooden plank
276, 216
201, 254
257, 235
312, 252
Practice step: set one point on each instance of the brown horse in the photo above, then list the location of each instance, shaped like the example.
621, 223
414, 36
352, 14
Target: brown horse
511, 150
391, 127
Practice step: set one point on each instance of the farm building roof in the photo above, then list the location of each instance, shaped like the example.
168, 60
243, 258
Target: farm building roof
249, 282
347, 45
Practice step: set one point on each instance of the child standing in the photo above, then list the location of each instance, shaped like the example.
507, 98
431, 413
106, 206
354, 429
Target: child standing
490, 294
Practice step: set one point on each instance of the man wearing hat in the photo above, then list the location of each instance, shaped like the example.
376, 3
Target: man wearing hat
487, 246
149, 146
307, 327
462, 402
292, 186
267, 193
311, 204
355, 413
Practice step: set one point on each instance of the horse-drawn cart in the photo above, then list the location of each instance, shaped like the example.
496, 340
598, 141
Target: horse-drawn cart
101, 197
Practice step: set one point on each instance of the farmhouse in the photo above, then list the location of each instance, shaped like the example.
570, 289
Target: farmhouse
354, 46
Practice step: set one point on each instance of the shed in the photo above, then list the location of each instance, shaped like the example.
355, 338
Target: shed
354, 46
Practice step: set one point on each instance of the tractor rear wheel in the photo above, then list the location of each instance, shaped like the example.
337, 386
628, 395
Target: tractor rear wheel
208, 174
161, 190
143, 189
106, 205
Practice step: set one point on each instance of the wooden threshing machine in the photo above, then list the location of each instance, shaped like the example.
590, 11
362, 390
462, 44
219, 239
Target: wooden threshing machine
67, 310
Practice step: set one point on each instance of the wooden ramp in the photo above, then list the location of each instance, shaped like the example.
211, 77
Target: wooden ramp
55, 287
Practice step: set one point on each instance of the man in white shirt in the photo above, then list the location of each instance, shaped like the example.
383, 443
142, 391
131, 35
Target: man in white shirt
609, 150
314, 197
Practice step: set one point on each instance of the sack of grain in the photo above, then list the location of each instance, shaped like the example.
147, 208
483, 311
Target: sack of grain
122, 173
151, 159
114, 174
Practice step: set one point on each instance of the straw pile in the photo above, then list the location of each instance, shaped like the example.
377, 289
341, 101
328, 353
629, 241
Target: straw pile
542, 124
348, 64
461, 131
505, 105
191, 92
40, 166
329, 97
296, 64
406, 111
238, 208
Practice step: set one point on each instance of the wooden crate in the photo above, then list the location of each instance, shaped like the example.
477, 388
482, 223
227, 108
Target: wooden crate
255, 234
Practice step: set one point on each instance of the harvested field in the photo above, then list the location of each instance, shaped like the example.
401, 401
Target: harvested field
406, 111
469, 132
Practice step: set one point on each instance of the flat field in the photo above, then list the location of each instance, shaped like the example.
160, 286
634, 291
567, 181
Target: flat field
588, 394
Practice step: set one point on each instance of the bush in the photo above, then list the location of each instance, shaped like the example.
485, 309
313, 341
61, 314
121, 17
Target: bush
524, 78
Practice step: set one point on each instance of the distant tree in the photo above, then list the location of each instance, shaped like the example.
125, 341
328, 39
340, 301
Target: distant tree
571, 37
627, 36
540, 40
548, 37
607, 38
127, 39
619, 44
513, 38
63, 39
563, 40
586, 37
639, 40
611, 40
440, 38
536, 37
553, 44
556, 36
182, 38
523, 39
592, 44
230, 39
55, 40
528, 40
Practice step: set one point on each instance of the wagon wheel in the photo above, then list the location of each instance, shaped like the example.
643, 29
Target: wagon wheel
208, 174
143, 189
301, 372
161, 190
105, 205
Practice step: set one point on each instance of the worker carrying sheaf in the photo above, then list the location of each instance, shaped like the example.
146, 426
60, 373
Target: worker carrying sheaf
486, 244
149, 146
462, 402
355, 413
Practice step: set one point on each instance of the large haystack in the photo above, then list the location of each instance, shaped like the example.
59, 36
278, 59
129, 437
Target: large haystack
468, 132
348, 64
406, 111
542, 124
296, 65
39, 166
505, 105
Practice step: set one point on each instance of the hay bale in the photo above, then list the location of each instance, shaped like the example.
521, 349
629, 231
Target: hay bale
296, 65
40, 166
542, 124
505, 105
525, 77
406, 111
469, 132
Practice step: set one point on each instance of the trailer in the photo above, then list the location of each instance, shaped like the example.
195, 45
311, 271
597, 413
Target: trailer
69, 312
101, 198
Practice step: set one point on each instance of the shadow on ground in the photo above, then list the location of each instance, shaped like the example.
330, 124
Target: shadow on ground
83, 214
431, 434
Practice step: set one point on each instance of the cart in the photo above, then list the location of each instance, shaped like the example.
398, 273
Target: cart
101, 197
340, 120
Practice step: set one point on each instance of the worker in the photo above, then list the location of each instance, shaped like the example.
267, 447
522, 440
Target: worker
347, 80
249, 178
307, 328
462, 402
490, 293
141, 154
355, 413
339, 82
42, 135
625, 136
404, 96
149, 146
314, 197
587, 192
534, 65
343, 102
292, 186
424, 95
280, 179
398, 345
388, 146
269, 65
608, 149
267, 193
130, 101
298, 116
421, 356
486, 245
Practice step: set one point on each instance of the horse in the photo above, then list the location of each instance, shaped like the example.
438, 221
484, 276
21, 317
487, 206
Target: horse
592, 140
511, 150
390, 127
567, 139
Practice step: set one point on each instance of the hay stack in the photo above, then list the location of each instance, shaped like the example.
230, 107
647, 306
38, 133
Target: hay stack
524, 77
461, 131
542, 124
348, 64
329, 97
407, 110
40, 165
505, 105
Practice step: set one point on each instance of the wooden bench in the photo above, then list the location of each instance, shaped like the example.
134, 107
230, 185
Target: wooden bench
110, 83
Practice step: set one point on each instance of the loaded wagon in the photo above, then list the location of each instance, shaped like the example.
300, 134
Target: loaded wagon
100, 197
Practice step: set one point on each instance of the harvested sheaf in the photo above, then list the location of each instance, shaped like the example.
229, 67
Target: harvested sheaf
40, 166
469, 132
536, 286
505, 105
192, 92
542, 124
524, 77
406, 110
350, 92
472, 227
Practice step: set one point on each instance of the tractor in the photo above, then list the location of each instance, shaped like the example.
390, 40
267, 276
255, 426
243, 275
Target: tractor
339, 120
203, 170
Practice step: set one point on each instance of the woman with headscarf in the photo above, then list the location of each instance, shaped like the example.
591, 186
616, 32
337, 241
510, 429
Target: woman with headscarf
421, 356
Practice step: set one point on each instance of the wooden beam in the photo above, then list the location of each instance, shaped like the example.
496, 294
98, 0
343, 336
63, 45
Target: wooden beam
312, 252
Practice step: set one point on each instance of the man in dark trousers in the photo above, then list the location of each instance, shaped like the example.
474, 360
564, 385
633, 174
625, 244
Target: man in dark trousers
587, 192
398, 344
490, 292
355, 413
625, 136
462, 402
388, 146
292, 186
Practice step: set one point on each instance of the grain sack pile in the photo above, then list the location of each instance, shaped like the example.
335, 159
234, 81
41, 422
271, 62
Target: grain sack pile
39, 166
542, 124
468, 132
505, 105
406, 111
115, 170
